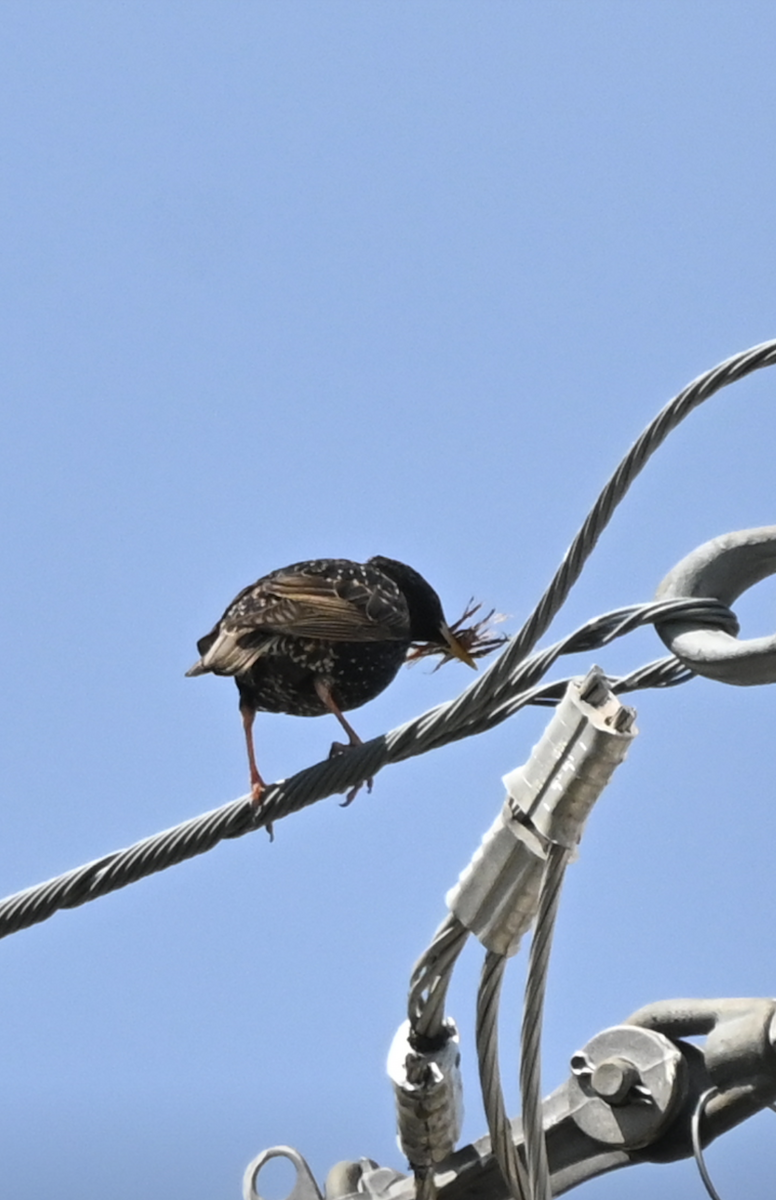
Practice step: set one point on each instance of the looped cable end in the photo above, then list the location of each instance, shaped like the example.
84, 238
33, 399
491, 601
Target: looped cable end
721, 570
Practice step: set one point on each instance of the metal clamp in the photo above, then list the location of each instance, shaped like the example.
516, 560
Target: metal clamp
429, 1094
548, 801
638, 1092
722, 569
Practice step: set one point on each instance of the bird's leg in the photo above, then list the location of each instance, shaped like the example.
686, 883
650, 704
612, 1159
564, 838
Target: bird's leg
257, 783
325, 696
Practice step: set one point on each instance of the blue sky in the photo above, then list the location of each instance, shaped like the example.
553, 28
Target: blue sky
345, 278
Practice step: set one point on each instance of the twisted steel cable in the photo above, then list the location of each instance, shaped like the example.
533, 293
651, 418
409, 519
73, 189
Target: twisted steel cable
594, 634
433, 971
425, 1185
701, 389
540, 1187
500, 690
431, 978
499, 1126
669, 672
200, 834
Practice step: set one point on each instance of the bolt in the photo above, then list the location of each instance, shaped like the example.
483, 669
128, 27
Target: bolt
613, 1080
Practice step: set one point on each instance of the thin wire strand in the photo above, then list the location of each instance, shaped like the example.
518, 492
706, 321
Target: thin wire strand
697, 1148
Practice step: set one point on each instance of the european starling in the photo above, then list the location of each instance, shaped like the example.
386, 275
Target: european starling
326, 636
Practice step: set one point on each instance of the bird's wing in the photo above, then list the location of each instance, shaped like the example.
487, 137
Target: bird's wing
352, 605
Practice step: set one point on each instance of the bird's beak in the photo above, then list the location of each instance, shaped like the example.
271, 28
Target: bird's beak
455, 647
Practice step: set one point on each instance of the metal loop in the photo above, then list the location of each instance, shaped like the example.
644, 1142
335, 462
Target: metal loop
722, 569
697, 1149
305, 1187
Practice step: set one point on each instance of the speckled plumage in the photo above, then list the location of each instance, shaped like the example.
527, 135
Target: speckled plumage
326, 635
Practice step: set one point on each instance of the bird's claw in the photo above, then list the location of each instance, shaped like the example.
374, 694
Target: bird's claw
338, 748
257, 791
355, 790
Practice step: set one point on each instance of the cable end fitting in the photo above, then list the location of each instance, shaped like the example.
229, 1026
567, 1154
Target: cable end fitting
548, 801
429, 1096
588, 737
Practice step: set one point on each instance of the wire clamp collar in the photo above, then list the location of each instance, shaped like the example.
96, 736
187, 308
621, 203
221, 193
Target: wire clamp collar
429, 1094
548, 802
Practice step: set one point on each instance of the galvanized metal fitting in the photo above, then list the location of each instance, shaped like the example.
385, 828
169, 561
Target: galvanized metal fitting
548, 801
429, 1095
349, 1180
625, 1085
740, 1049
722, 569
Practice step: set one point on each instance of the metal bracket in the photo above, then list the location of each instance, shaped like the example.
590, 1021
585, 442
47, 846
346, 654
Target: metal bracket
631, 1098
722, 569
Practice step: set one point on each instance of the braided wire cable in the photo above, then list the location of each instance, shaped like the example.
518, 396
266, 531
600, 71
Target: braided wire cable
200, 834
669, 672
598, 632
430, 732
701, 389
660, 673
669, 417
425, 1184
499, 1126
431, 977
448, 722
530, 1042
432, 972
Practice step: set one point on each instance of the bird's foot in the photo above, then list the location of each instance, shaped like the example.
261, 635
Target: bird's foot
257, 791
338, 748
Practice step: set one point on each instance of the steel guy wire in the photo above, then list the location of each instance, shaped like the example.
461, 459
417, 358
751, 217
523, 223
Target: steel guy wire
540, 1187
194, 837
499, 1125
338, 775
701, 389
432, 972
431, 977
598, 632
425, 1186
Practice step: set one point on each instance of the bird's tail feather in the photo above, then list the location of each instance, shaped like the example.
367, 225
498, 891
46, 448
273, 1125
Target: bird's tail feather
223, 653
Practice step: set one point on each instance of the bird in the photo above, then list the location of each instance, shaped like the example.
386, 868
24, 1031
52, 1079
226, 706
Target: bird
326, 636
